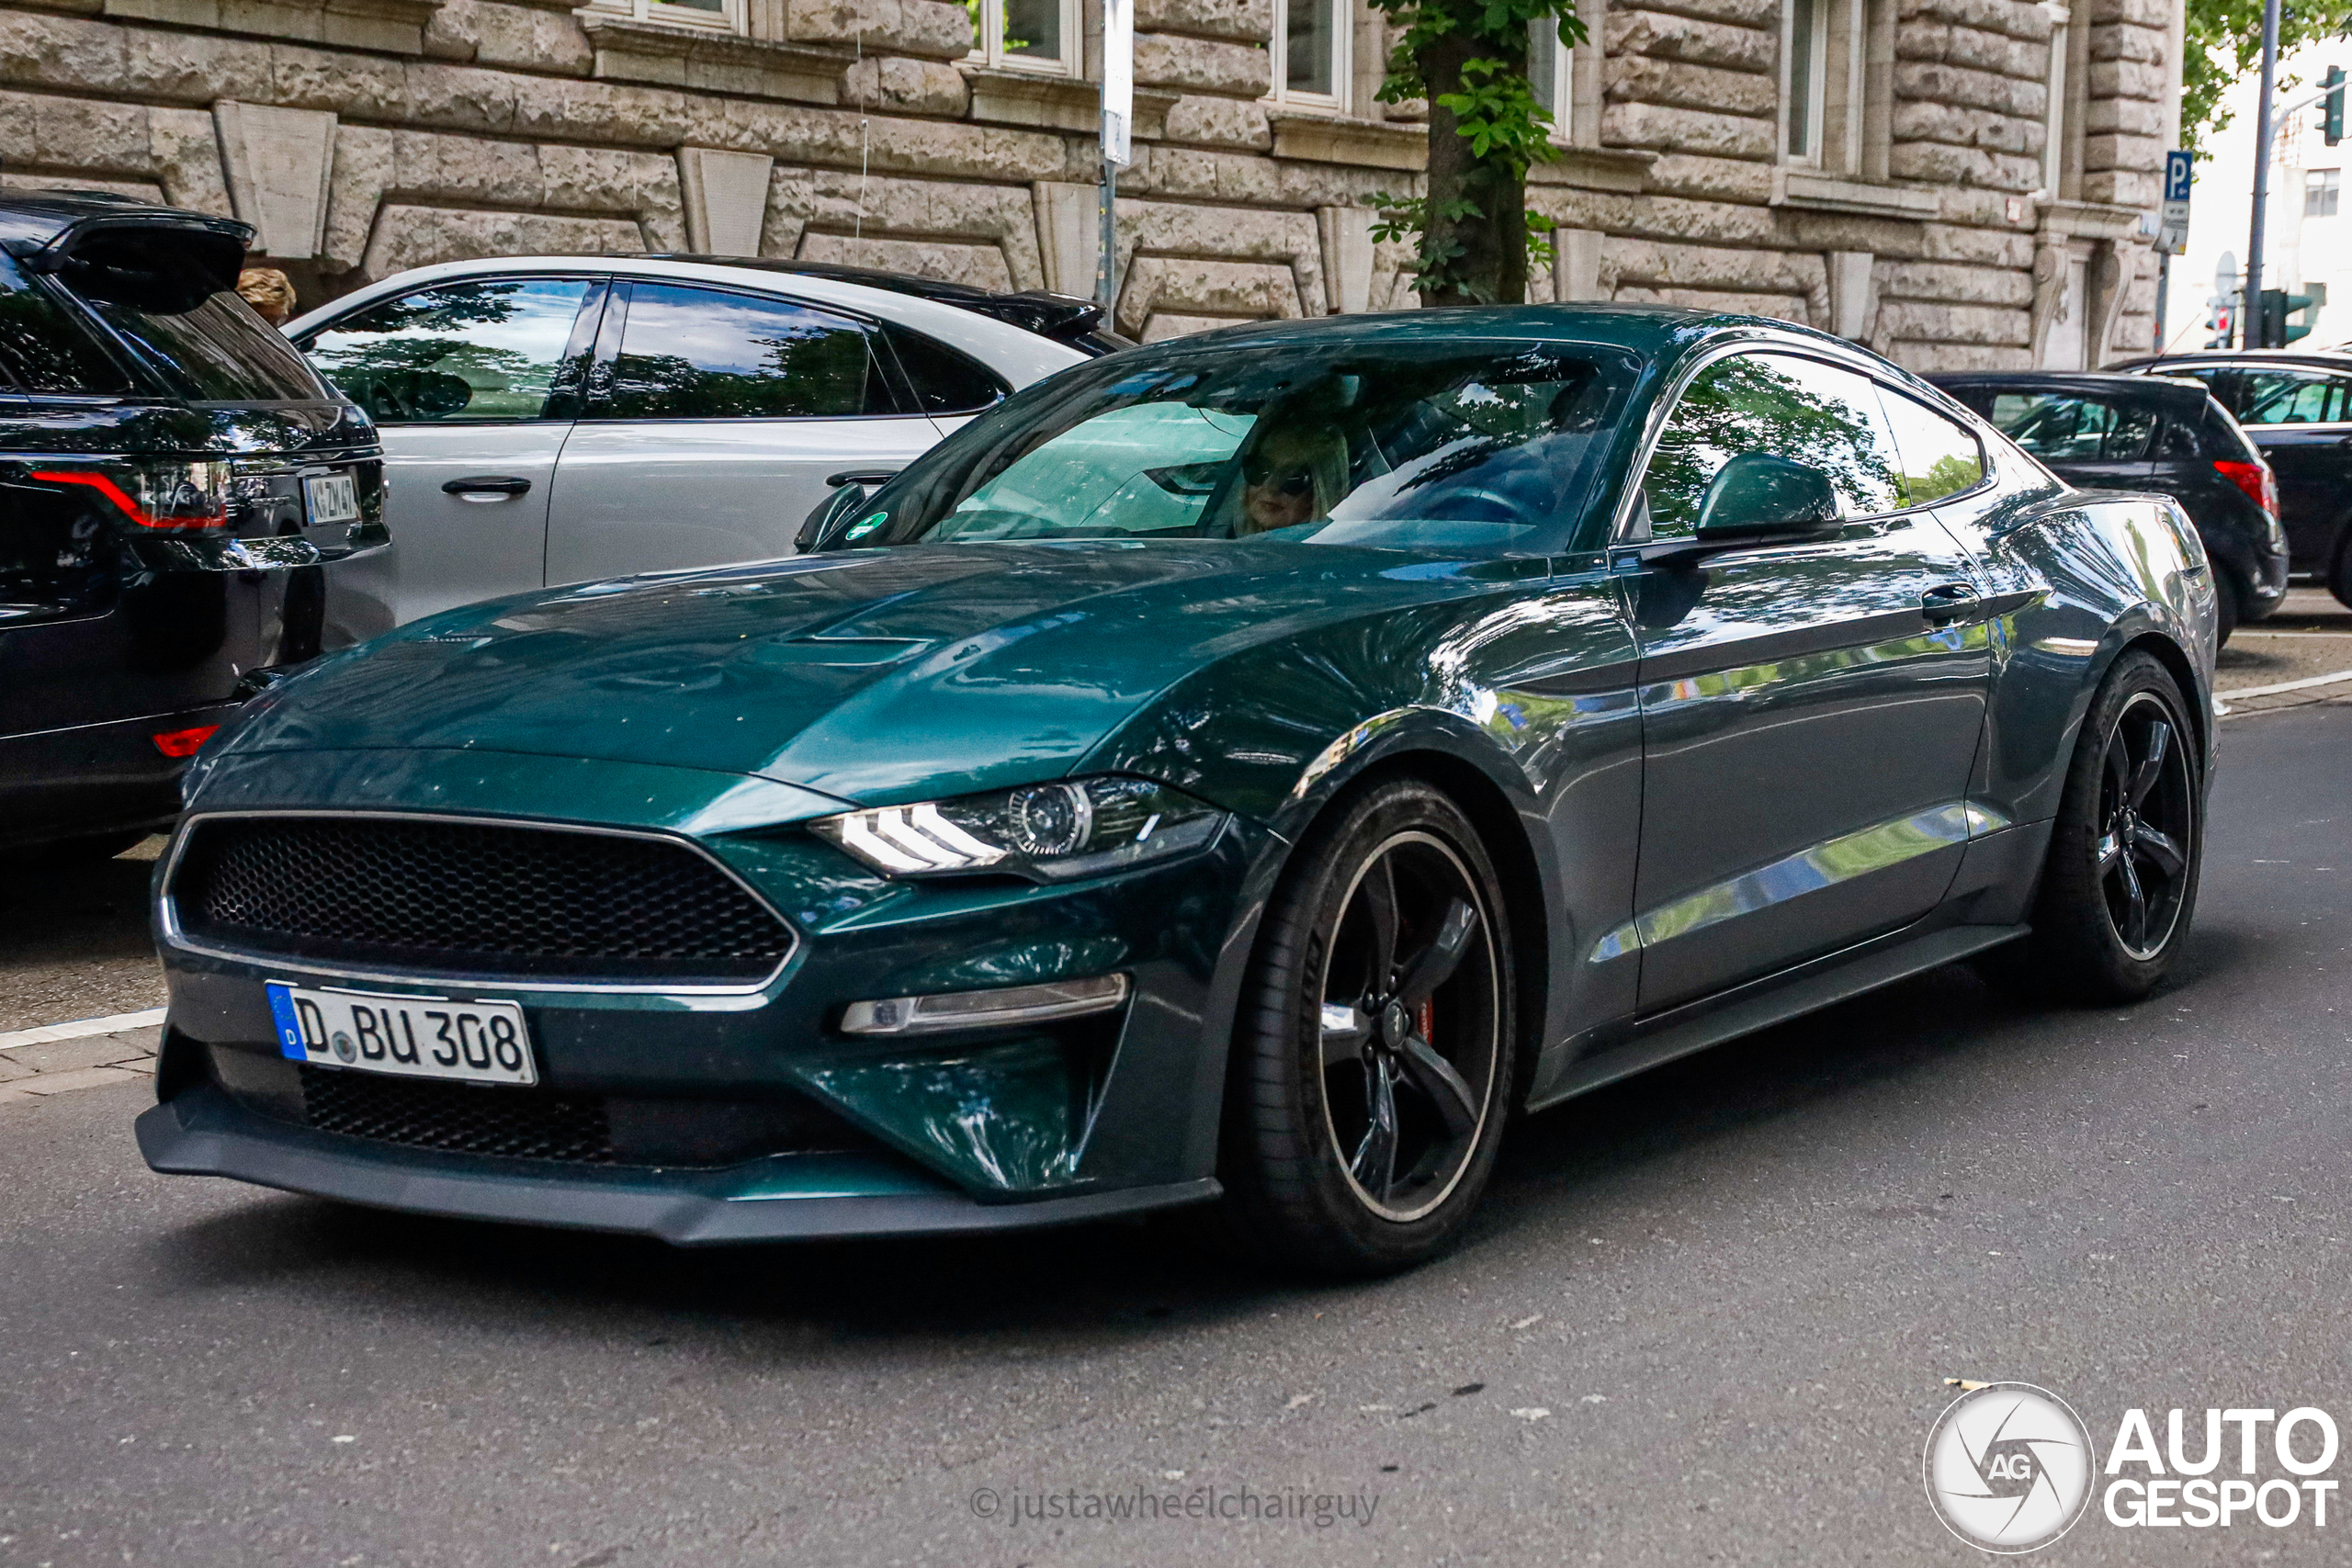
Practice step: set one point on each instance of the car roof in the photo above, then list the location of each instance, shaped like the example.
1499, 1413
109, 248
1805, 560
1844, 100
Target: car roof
39, 215
2090, 383
1661, 334
1001, 344
2317, 358
1058, 316
44, 227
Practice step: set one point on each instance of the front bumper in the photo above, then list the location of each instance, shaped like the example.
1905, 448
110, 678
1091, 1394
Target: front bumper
202, 1132
980, 1129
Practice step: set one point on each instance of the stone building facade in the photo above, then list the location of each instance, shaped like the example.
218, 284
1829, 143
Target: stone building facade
1956, 183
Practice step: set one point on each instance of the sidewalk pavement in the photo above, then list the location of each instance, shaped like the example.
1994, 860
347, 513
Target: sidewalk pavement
60, 1066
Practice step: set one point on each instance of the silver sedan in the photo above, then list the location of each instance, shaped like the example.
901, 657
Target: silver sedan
562, 419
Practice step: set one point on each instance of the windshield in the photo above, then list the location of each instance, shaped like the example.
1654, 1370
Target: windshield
1490, 448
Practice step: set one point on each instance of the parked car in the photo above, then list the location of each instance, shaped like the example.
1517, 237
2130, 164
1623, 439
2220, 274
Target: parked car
1240, 771
559, 419
174, 483
2297, 406
2152, 433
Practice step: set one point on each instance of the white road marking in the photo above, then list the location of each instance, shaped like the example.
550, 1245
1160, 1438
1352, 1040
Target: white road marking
82, 1028
2232, 693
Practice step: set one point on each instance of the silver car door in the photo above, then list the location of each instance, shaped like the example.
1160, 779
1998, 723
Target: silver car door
714, 419
475, 383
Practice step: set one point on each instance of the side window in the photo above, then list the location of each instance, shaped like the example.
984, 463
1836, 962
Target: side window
707, 353
458, 354
1940, 456
2059, 428
945, 380
44, 349
2295, 397
1783, 404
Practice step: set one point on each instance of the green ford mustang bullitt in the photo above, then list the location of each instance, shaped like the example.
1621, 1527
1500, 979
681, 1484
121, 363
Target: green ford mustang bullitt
1240, 772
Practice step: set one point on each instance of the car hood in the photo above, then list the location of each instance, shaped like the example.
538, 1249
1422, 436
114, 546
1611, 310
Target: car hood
871, 676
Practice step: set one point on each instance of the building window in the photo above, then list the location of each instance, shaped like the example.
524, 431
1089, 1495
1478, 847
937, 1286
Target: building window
1807, 51
2070, 73
1311, 54
1550, 70
2322, 190
1027, 35
727, 15
1838, 87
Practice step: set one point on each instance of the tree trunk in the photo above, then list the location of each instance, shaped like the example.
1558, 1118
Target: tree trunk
1490, 268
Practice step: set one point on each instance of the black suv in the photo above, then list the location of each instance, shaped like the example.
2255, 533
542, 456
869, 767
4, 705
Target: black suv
2149, 432
174, 483
2298, 407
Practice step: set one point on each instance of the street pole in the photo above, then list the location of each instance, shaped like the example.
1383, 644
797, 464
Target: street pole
2164, 290
2250, 298
1118, 112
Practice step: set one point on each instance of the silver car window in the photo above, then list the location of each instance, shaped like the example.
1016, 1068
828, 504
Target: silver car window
456, 352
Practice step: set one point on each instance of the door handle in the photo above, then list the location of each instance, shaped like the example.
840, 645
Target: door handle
1952, 602
486, 487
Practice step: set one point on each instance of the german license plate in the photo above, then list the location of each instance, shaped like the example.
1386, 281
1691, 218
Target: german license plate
416, 1037
333, 498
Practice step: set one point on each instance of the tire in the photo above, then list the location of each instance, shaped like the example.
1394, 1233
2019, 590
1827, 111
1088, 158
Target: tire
2227, 595
2128, 823
2340, 571
1367, 1094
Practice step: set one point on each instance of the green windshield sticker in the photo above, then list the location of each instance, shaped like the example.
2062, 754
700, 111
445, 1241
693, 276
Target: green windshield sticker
859, 530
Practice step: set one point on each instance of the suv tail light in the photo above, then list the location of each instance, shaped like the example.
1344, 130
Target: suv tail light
176, 497
2261, 486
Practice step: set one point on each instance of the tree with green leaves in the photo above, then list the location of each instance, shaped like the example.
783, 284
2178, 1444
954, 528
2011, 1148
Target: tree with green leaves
2224, 45
1472, 234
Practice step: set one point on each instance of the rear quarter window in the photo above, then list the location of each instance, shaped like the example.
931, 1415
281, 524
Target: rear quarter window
945, 380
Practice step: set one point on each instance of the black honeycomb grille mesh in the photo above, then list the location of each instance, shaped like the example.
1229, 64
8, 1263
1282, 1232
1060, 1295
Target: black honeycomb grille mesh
472, 897
519, 1123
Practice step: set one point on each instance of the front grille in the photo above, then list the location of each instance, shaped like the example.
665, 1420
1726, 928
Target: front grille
534, 1123
520, 1124
416, 893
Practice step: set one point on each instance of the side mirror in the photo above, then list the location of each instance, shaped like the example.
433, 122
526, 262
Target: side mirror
827, 526
1758, 493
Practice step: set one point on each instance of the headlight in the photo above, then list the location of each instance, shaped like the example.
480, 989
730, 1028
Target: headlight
1051, 832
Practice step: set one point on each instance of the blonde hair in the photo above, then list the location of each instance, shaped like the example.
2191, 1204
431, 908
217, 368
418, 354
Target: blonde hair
269, 292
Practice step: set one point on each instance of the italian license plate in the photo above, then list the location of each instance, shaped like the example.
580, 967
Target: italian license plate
333, 498
416, 1037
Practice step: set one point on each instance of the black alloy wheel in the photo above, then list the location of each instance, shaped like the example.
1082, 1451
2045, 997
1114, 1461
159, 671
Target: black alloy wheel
2147, 811
2120, 887
1373, 1063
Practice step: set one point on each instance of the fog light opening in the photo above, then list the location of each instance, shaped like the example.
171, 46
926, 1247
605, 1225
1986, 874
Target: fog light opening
986, 1010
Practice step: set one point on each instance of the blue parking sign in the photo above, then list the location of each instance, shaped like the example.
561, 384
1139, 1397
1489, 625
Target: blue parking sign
2177, 169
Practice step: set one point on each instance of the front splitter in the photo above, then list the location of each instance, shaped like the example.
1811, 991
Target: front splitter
202, 1132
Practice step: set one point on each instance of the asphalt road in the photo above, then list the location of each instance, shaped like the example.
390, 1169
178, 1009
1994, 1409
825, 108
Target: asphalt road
1734, 1287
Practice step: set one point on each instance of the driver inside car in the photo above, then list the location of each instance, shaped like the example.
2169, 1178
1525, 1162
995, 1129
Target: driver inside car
1294, 470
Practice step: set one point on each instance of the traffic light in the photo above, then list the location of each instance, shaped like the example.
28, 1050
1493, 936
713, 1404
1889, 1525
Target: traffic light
2332, 106
2276, 330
